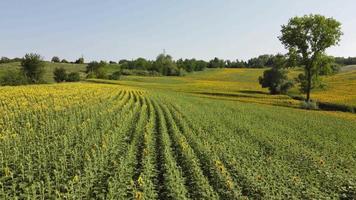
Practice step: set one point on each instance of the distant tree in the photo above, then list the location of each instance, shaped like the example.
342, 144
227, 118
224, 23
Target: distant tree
200, 65
12, 77
115, 76
96, 69
308, 37
276, 79
5, 60
112, 62
60, 74
80, 61
64, 61
216, 63
33, 68
55, 59
73, 77
123, 61
165, 65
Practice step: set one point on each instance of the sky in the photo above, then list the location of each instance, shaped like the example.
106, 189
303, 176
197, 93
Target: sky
202, 29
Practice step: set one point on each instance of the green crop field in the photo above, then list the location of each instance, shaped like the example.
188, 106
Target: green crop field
210, 135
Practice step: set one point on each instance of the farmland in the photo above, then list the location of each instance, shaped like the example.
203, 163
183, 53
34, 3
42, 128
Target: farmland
144, 138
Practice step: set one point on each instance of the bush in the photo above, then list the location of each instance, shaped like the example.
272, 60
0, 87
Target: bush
73, 77
13, 78
115, 76
60, 75
33, 68
309, 105
64, 61
55, 59
276, 81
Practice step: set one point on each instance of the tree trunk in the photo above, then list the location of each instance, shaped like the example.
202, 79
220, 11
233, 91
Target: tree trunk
309, 78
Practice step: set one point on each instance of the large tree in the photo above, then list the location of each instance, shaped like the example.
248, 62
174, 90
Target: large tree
307, 38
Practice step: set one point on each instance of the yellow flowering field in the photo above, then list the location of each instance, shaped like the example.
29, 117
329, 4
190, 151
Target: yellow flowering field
112, 141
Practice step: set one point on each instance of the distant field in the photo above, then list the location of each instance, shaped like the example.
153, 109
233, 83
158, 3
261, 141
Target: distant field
242, 85
109, 141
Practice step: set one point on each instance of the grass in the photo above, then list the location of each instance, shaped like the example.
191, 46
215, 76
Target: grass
110, 141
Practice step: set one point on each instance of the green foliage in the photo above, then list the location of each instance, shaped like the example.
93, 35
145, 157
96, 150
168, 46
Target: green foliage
64, 61
308, 37
55, 59
190, 65
328, 66
33, 68
115, 76
13, 77
165, 65
8, 60
73, 77
276, 79
60, 74
216, 63
96, 70
345, 61
80, 61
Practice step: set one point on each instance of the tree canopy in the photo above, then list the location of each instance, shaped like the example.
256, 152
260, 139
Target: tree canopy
308, 37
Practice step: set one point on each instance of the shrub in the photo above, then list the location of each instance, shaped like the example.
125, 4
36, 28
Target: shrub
33, 68
60, 75
276, 81
73, 77
64, 61
55, 59
12, 77
309, 105
115, 76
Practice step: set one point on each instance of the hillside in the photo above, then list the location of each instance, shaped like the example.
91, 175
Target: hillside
242, 85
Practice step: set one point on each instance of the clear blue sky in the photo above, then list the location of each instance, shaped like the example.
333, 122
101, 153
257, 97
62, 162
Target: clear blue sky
114, 29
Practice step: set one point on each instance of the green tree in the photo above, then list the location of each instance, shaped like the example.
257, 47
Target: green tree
308, 37
216, 63
276, 79
60, 74
33, 68
165, 65
55, 59
80, 61
96, 69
